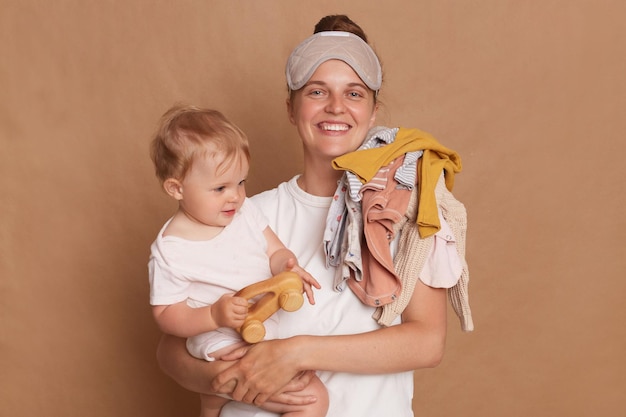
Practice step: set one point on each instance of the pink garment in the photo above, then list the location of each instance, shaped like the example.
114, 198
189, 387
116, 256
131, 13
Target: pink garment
382, 207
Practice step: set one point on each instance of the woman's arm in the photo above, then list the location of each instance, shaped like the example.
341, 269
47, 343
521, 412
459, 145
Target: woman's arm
416, 343
196, 374
189, 372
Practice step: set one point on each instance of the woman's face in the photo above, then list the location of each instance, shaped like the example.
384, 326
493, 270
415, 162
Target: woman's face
333, 111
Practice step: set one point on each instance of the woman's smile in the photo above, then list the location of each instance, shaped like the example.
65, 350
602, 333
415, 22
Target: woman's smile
334, 127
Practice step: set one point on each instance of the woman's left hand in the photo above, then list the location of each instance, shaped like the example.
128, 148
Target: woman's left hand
265, 370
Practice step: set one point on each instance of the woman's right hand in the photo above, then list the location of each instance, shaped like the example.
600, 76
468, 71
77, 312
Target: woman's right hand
200, 376
290, 392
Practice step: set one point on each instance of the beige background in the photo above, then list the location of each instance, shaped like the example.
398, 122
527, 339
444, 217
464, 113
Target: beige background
532, 94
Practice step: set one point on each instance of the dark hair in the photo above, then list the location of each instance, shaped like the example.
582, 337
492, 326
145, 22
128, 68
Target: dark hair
339, 22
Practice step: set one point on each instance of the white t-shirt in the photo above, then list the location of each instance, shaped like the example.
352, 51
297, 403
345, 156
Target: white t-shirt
201, 271
204, 270
299, 220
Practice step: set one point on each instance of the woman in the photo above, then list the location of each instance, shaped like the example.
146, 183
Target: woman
366, 368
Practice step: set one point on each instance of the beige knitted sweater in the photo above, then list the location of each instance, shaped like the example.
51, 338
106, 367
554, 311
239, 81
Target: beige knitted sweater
413, 252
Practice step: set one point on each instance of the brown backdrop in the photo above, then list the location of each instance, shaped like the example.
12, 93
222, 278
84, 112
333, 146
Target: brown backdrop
532, 94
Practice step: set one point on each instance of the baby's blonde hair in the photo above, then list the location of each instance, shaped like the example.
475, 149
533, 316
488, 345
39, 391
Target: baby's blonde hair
186, 132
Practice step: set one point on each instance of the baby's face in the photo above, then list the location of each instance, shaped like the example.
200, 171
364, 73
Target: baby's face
212, 197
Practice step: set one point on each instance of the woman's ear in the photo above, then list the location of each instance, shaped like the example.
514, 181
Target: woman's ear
174, 188
373, 118
290, 111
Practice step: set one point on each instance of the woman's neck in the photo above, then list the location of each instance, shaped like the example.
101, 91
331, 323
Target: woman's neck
321, 182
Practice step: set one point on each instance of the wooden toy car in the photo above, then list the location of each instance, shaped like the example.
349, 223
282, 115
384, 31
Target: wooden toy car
281, 291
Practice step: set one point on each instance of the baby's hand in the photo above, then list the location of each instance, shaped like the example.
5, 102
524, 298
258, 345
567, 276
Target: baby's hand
229, 311
307, 279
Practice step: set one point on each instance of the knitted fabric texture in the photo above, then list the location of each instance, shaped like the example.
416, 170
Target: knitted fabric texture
455, 214
414, 250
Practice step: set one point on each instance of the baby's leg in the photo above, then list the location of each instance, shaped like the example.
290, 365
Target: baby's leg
211, 405
318, 409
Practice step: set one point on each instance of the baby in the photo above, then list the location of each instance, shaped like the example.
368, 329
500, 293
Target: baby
216, 243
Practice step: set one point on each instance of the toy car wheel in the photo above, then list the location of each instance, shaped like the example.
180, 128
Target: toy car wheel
290, 300
253, 331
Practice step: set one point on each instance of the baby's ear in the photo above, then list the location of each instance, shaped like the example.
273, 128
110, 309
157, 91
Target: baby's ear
174, 188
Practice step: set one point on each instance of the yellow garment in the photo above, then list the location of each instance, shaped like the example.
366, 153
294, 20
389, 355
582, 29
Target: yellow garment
436, 158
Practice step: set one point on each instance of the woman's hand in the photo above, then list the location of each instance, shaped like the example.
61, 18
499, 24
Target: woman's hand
267, 370
290, 393
196, 374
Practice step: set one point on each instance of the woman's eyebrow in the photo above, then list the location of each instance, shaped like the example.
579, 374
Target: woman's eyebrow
323, 84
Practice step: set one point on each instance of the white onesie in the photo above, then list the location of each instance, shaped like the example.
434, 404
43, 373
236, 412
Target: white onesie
200, 272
